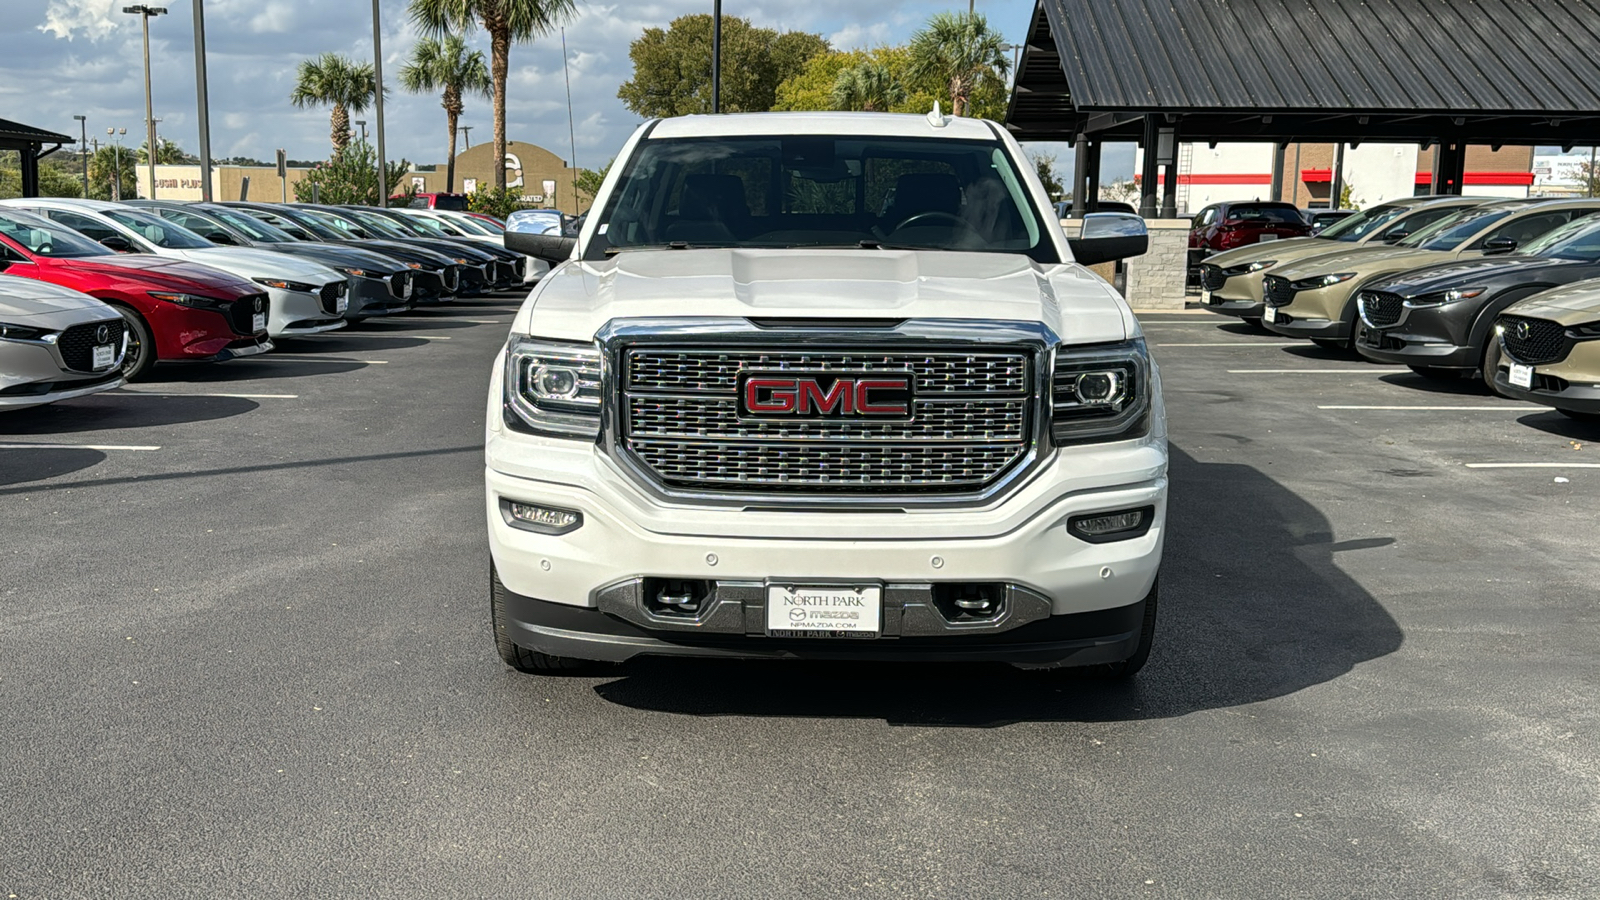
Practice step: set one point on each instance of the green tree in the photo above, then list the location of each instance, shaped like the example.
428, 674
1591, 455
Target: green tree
339, 82
57, 178
168, 153
103, 173
588, 181
445, 65
350, 176
870, 86
672, 67
495, 201
961, 50
1046, 167
505, 21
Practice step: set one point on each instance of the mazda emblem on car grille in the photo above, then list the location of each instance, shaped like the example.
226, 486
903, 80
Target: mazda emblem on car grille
102, 335
820, 395
1523, 330
258, 304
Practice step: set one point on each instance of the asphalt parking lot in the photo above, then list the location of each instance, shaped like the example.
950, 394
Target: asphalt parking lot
244, 651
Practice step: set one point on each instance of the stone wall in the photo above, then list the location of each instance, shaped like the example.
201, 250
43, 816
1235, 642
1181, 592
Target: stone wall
1156, 279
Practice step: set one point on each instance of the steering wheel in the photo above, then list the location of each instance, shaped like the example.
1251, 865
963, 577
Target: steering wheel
932, 214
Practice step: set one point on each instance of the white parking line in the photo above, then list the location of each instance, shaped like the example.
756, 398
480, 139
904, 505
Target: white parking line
1240, 344
397, 334
209, 394
79, 447
284, 357
485, 321
1377, 369
1529, 408
1533, 465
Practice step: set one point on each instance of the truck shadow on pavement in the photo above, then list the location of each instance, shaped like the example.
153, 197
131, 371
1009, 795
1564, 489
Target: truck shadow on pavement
144, 407
20, 466
1253, 607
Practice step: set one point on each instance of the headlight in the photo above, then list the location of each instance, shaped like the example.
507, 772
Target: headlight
412, 265
361, 273
191, 300
1585, 332
24, 333
1258, 266
282, 285
1100, 393
1439, 299
553, 387
1321, 281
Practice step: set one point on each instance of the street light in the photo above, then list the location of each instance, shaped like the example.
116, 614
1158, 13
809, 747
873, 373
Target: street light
144, 13
83, 150
466, 134
362, 124
116, 166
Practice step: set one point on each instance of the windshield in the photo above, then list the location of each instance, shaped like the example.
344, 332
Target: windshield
42, 237
1256, 212
474, 226
338, 225
378, 225
252, 227
420, 226
158, 231
1452, 232
1577, 240
823, 191
437, 227
1354, 228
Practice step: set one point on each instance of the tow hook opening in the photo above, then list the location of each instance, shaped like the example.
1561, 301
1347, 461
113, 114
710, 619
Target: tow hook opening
676, 597
968, 602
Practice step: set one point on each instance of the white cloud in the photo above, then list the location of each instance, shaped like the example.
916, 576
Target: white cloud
95, 18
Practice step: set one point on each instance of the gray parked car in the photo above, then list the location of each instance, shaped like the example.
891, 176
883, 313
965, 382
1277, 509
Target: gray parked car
55, 344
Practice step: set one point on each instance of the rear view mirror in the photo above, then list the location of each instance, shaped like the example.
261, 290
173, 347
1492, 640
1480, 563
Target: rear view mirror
1106, 237
117, 243
552, 248
1499, 245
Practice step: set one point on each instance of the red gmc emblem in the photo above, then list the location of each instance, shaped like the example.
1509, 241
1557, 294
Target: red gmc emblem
815, 395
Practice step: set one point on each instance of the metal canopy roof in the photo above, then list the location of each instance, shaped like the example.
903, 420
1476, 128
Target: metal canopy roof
15, 134
1475, 71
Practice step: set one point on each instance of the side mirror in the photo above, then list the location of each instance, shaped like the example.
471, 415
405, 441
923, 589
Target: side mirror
1106, 237
118, 243
552, 248
1395, 237
1499, 245
4, 264
220, 237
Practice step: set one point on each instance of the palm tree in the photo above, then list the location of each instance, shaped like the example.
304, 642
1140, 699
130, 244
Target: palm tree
505, 21
446, 65
867, 86
959, 49
337, 81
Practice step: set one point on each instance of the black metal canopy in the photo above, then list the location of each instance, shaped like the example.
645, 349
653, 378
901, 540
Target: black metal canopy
29, 143
1454, 71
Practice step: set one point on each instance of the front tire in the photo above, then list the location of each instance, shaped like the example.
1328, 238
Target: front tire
530, 662
1491, 364
141, 355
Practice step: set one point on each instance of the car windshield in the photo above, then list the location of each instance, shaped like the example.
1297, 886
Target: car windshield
42, 237
823, 191
474, 226
424, 226
252, 227
1357, 227
437, 226
158, 231
378, 225
1577, 240
1452, 232
345, 229
1257, 212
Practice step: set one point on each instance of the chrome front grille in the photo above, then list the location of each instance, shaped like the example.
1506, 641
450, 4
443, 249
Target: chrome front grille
1534, 341
970, 422
76, 344
1380, 309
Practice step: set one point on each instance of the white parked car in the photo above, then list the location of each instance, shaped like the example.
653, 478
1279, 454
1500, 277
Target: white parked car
307, 297
55, 344
761, 409
449, 223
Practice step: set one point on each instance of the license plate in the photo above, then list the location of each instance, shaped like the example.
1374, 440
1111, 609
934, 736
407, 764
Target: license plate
845, 611
1268, 237
341, 304
258, 322
104, 356
1205, 298
1270, 314
1521, 376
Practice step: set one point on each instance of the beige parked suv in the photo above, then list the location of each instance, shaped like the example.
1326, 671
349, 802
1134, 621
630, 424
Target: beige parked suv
1550, 350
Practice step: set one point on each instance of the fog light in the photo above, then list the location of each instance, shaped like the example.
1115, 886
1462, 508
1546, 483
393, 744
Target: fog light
1121, 525
542, 519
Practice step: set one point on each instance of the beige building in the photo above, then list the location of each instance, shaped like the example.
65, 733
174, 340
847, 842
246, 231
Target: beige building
543, 178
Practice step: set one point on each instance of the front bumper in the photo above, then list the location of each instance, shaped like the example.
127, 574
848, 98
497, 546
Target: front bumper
1429, 336
297, 313
32, 375
1572, 383
371, 297
1325, 313
1238, 296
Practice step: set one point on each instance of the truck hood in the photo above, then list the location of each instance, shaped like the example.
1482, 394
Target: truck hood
1362, 260
1575, 304
1292, 248
1485, 271
252, 263
578, 298
23, 297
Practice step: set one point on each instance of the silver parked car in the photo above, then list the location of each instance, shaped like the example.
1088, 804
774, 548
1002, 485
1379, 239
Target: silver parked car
55, 344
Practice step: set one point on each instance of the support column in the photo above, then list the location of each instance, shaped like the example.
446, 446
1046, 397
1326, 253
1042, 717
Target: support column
1278, 151
1449, 167
30, 170
1092, 195
1167, 150
1336, 189
1149, 176
1080, 175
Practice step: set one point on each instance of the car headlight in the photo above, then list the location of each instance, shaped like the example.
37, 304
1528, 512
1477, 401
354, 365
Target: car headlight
24, 333
283, 285
1258, 266
194, 301
1585, 332
1455, 295
362, 273
553, 387
1321, 281
1100, 392
413, 265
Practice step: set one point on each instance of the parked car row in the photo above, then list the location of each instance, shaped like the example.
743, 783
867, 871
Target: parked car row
93, 294
1504, 290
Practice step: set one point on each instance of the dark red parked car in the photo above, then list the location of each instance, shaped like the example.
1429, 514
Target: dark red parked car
176, 311
1224, 226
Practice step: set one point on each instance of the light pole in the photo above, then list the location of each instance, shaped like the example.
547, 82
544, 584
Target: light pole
362, 124
377, 78
716, 56
116, 165
466, 134
83, 150
200, 99
572, 134
144, 13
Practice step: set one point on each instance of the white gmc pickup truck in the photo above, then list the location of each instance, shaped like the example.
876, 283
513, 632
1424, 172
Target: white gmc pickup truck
826, 385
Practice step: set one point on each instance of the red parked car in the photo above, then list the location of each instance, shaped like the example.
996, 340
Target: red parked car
434, 200
1224, 226
176, 311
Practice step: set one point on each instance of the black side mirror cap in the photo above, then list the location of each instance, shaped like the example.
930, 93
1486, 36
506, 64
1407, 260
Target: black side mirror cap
1107, 237
1499, 246
1395, 237
220, 237
552, 248
117, 243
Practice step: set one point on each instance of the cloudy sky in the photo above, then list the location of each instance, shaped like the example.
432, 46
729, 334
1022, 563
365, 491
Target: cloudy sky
67, 57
